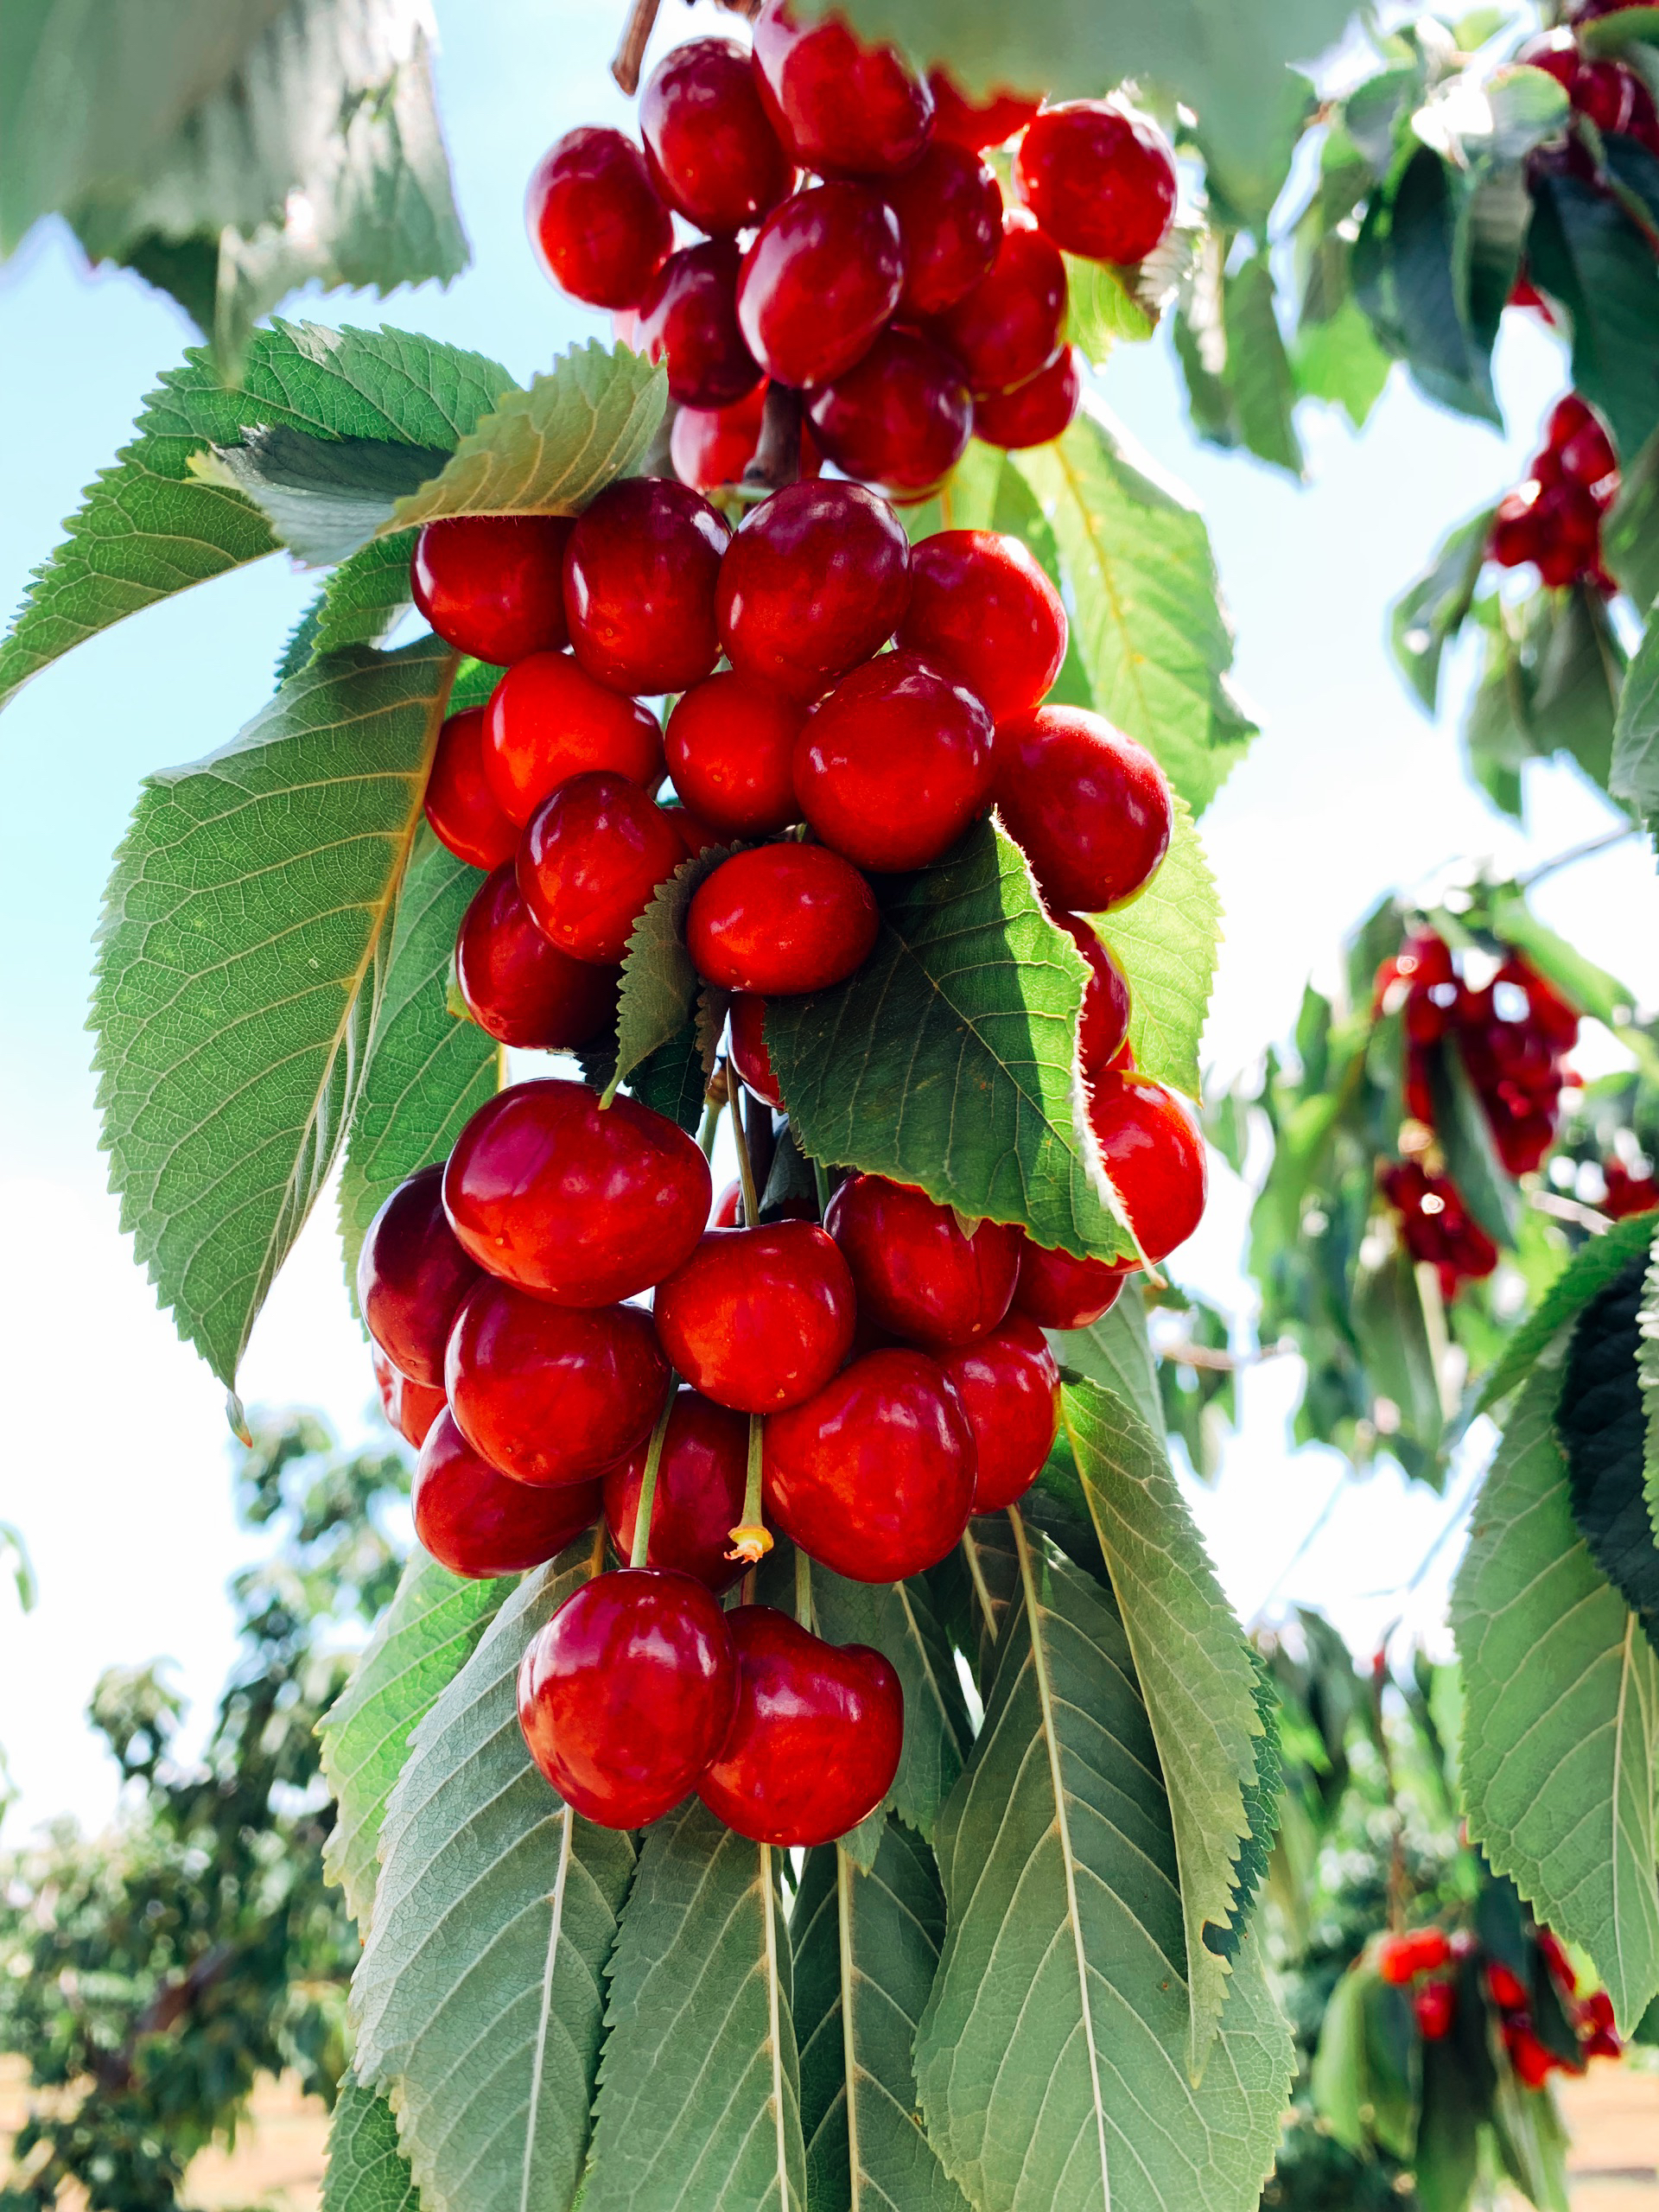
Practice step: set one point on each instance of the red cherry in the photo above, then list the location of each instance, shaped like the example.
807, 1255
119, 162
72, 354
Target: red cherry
1060, 1291
489, 584
977, 123
626, 1694
1088, 807
816, 1738
572, 1201
949, 211
1104, 1022
758, 1319
1099, 180
1517, 535
689, 318
894, 764
1008, 327
712, 447
981, 609
781, 919
816, 580
701, 1476
480, 1523
729, 744
411, 1277
901, 416
823, 275
600, 230
547, 720
461, 807
1509, 1990
917, 1272
411, 1408
639, 576
552, 1394
748, 1048
1154, 1156
1533, 2061
1034, 413
1009, 1387
517, 986
591, 858
710, 151
839, 105
1580, 438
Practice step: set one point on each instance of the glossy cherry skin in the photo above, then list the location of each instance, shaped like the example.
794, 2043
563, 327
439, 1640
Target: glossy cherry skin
626, 1694
949, 211
823, 275
552, 1394
1103, 1024
747, 1047
1154, 1155
758, 1319
894, 764
711, 152
981, 609
900, 417
1034, 413
1088, 807
1100, 180
701, 1476
729, 745
840, 107
411, 1277
712, 447
814, 1741
1009, 1387
461, 807
547, 721
591, 859
816, 580
480, 1523
575, 1202
411, 1408
595, 220
916, 1273
1060, 1291
975, 124
489, 584
1008, 327
689, 318
517, 984
640, 576
781, 919
875, 1476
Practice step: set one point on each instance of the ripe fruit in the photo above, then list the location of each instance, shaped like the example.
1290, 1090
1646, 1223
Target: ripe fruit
982, 609
1423, 1950
729, 744
1088, 807
709, 149
411, 1408
626, 1694
1154, 1153
572, 1201
1436, 1226
815, 1738
552, 1394
838, 105
949, 211
547, 721
816, 580
894, 764
1509, 1992
461, 807
517, 986
592, 856
900, 417
1034, 413
480, 1523
600, 230
1434, 2006
823, 275
489, 584
1103, 1024
1099, 180
1008, 327
758, 1319
746, 1049
875, 1476
411, 1277
689, 318
701, 1478
917, 1272
977, 123
712, 447
1009, 1387
639, 585
781, 919
1060, 1291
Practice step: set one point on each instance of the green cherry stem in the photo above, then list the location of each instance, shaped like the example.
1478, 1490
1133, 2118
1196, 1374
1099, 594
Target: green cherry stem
745, 1169
750, 1539
803, 1589
648, 1483
821, 1179
707, 1133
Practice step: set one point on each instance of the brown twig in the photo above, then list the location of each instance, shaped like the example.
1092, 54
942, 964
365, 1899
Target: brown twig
625, 67
777, 456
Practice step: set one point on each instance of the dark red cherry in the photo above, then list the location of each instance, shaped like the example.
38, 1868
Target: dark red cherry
900, 417
781, 919
981, 609
1063, 1292
729, 744
748, 1047
816, 580
552, 1394
710, 151
758, 1319
1034, 413
572, 1201
1009, 1387
461, 807
1008, 327
1100, 179
701, 1476
480, 1523
547, 721
1088, 807
815, 1741
975, 124
917, 1272
600, 230
875, 1476
517, 984
1154, 1153
640, 576
411, 1277
591, 858
838, 105
626, 1694
712, 447
1104, 1022
489, 584
894, 764
689, 319
823, 275
949, 211
411, 1408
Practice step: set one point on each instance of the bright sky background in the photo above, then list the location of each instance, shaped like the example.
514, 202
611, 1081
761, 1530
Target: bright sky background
116, 1459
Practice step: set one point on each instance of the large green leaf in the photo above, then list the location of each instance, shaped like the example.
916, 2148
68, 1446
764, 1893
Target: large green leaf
1430, 613
1260, 380
1590, 1270
1058, 2026
1166, 941
1115, 1353
478, 2000
699, 2092
1411, 275
1602, 1425
1465, 1137
658, 994
1584, 252
1561, 1713
1634, 773
366, 2170
361, 604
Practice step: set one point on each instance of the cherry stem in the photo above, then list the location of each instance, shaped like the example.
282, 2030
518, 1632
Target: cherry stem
803, 1589
624, 65
750, 1539
648, 1483
710, 1129
745, 1171
821, 1179
777, 456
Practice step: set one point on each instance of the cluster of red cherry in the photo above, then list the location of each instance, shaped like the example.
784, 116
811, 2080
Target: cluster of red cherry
1627, 1192
1606, 92
893, 289
1419, 1961
1553, 519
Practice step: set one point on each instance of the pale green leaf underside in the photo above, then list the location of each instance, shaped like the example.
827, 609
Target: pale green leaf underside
1115, 1353
366, 2170
659, 984
899, 1620
1166, 941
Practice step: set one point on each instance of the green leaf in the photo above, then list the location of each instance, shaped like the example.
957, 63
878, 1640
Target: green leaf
1561, 1710
1647, 1372
1446, 2162
324, 497
242, 951
1580, 673
1102, 308
866, 1948
1592, 1267
1390, 1333
1635, 771
1431, 612
1465, 1137
966, 500
1165, 940
1263, 1803
1114, 1352
699, 2094
1337, 2081
672, 1081
1259, 377
478, 2000
423, 1638
366, 2170
659, 984
898, 1619
1630, 530
1338, 359
1588, 257
1601, 1423
1058, 2019
1411, 275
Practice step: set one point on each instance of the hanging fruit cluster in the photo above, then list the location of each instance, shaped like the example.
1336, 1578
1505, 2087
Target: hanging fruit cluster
1542, 1994
1554, 520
